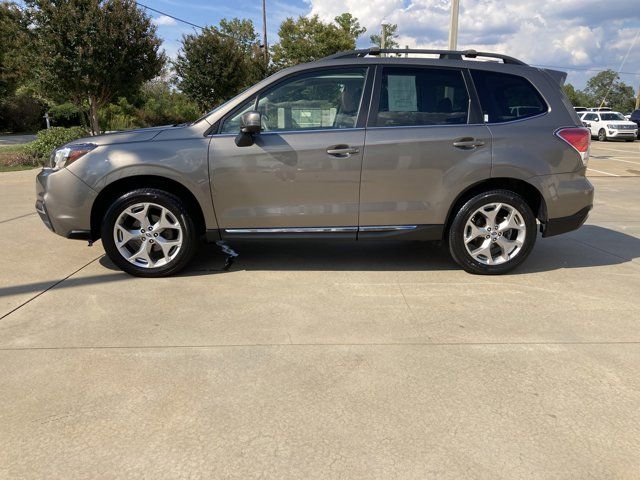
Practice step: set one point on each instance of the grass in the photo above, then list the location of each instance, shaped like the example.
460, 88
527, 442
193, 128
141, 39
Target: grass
15, 168
12, 158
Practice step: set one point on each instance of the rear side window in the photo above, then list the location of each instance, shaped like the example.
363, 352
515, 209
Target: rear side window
421, 96
505, 97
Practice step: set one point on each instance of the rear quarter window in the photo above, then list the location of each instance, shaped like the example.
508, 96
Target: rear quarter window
505, 97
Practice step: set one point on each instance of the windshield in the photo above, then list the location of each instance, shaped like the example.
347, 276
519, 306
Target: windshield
219, 106
612, 116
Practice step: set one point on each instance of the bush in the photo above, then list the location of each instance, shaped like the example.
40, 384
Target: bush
119, 116
46, 140
21, 113
65, 115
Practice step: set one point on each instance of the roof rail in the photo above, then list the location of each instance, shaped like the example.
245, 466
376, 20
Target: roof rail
444, 54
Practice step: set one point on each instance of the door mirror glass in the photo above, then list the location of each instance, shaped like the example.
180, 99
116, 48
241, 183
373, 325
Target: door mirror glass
251, 122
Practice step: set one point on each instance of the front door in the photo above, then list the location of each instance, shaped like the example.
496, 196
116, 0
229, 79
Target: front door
302, 174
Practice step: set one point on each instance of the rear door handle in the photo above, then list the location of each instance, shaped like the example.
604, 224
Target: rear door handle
342, 150
468, 143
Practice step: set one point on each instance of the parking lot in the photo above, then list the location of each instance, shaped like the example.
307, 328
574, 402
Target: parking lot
339, 360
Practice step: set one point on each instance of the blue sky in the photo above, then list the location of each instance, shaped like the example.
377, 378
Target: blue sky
579, 35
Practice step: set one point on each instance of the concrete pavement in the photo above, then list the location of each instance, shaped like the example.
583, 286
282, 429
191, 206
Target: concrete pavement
322, 360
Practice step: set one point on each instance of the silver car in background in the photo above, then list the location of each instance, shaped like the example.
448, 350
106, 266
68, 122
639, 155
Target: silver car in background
362, 144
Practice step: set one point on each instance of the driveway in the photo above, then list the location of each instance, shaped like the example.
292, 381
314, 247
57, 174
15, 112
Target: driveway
356, 361
6, 140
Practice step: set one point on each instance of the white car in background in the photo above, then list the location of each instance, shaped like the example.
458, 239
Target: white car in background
609, 125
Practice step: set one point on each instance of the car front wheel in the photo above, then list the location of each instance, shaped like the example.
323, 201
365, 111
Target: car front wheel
149, 233
492, 233
602, 135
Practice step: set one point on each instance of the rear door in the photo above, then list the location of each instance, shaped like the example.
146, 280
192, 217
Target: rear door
425, 143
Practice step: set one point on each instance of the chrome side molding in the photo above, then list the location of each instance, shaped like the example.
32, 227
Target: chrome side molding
371, 228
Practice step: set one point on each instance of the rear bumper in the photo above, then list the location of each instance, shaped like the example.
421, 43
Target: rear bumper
557, 226
64, 202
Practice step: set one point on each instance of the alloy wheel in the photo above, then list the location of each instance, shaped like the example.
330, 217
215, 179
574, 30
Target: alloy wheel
148, 235
495, 233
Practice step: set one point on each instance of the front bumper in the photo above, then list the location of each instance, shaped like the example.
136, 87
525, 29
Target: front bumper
622, 133
64, 203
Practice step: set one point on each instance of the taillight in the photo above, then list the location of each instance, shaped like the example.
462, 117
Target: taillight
579, 138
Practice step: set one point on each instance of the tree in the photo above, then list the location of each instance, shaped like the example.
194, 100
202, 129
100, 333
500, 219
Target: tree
248, 40
308, 38
350, 24
577, 97
94, 51
13, 44
389, 33
606, 86
210, 67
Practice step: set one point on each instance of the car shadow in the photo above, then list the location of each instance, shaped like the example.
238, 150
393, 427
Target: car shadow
590, 246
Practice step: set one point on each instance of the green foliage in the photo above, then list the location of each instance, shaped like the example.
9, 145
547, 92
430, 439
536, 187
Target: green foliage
211, 67
164, 106
21, 113
47, 140
390, 33
309, 38
13, 45
120, 116
93, 51
156, 104
606, 86
350, 24
65, 115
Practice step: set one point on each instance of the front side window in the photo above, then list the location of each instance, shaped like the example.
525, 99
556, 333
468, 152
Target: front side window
327, 99
422, 96
506, 97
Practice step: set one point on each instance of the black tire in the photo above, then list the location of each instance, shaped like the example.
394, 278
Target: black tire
602, 135
456, 234
179, 212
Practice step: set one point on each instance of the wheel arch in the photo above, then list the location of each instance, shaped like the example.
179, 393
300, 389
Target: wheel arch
119, 187
529, 192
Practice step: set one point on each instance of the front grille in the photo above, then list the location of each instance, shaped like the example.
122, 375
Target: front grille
625, 127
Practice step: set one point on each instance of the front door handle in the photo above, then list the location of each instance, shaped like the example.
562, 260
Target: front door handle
342, 150
468, 143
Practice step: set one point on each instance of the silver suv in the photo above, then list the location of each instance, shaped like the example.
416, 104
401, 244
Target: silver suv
362, 144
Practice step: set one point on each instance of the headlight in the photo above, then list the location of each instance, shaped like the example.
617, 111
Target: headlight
62, 157
612, 127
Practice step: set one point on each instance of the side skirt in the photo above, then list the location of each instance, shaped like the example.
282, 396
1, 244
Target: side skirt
369, 232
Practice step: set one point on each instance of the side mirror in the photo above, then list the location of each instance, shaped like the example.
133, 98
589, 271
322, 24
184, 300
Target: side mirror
250, 125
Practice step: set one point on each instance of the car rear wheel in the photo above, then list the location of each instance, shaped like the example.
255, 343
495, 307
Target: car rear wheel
149, 233
492, 233
602, 135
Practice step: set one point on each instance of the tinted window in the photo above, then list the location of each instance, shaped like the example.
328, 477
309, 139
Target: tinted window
327, 99
591, 117
612, 116
421, 96
506, 97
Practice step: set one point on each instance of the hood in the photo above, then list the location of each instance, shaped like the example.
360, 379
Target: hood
127, 136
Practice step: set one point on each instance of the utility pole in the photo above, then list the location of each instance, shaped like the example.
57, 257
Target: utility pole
453, 28
264, 33
638, 99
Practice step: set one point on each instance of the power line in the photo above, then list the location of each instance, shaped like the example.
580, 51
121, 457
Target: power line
580, 69
170, 16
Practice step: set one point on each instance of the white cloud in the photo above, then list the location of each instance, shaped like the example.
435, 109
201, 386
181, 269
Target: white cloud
164, 20
570, 33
